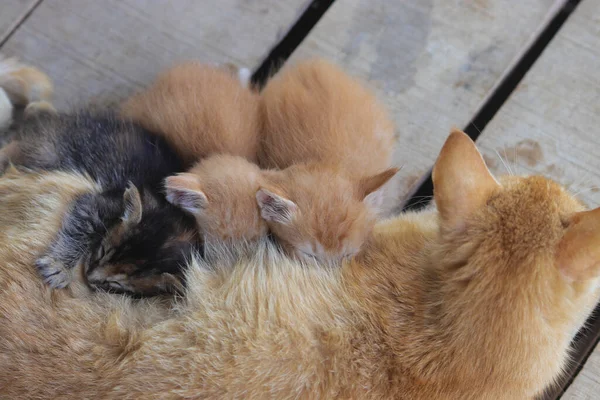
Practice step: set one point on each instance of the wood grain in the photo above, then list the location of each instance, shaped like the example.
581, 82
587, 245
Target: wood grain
12, 13
433, 62
549, 125
100, 51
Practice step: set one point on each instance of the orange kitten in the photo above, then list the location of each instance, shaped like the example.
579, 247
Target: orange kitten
320, 211
201, 110
219, 191
478, 300
315, 112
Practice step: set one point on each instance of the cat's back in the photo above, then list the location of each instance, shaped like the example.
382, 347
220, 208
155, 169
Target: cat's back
314, 111
200, 110
110, 150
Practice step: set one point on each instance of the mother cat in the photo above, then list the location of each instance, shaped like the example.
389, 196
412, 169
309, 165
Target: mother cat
476, 301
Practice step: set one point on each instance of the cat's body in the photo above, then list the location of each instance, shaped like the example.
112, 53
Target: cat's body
315, 112
200, 110
476, 301
117, 232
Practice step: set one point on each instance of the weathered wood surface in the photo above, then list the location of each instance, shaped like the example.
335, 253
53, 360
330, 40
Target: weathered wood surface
550, 125
11, 13
100, 51
586, 385
433, 62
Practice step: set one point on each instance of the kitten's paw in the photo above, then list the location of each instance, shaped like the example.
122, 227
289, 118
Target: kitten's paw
54, 272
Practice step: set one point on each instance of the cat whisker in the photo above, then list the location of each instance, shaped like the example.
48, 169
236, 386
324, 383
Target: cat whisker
503, 162
511, 172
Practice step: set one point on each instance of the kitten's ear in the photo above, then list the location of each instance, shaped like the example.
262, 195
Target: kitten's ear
184, 191
368, 188
275, 208
461, 181
578, 253
133, 205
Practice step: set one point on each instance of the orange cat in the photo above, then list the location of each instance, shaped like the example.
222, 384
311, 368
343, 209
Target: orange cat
222, 193
200, 110
478, 300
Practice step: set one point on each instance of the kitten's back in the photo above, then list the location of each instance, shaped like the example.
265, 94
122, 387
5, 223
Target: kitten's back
110, 150
314, 111
200, 110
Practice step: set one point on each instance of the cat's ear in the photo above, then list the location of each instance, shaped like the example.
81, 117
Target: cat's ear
133, 205
275, 208
578, 252
184, 191
368, 188
461, 181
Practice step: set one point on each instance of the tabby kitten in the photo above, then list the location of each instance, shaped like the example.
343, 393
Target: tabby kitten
122, 233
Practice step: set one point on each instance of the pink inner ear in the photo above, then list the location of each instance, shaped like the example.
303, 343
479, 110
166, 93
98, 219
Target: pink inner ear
274, 207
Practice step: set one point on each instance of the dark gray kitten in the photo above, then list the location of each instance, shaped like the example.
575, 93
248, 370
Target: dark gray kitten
129, 238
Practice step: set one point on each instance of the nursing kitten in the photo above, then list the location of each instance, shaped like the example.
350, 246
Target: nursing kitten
123, 233
315, 112
219, 192
316, 115
200, 110
478, 300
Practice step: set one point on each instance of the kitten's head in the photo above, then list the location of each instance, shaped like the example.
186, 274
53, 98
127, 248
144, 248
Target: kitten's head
518, 255
219, 192
145, 249
318, 212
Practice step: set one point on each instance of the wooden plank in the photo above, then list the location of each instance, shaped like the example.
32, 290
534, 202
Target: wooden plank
99, 51
432, 62
13, 12
586, 385
549, 125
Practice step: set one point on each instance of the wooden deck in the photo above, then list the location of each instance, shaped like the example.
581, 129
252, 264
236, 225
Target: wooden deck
436, 63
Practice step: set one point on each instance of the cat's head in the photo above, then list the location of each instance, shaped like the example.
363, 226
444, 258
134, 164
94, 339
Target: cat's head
518, 256
317, 211
145, 249
219, 192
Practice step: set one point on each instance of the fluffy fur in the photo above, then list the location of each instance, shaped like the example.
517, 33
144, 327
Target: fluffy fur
315, 112
476, 301
200, 110
219, 192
